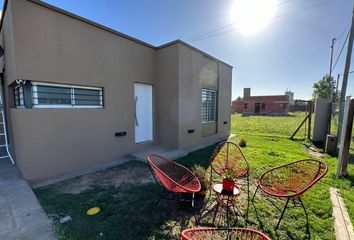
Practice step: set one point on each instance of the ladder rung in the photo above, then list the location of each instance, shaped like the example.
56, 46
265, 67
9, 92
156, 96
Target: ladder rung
4, 157
2, 134
3, 145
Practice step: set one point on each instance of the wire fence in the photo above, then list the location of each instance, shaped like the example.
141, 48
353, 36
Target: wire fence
302, 109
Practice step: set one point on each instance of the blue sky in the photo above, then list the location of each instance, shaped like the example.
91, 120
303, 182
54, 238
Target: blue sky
292, 51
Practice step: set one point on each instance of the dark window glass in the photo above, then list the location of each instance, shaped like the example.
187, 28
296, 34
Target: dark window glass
18, 95
52, 95
263, 105
245, 105
87, 97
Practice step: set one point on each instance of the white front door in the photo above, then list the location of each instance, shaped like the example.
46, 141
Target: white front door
143, 112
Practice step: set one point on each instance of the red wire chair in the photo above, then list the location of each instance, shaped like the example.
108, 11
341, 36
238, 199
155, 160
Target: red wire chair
174, 177
227, 155
222, 234
291, 181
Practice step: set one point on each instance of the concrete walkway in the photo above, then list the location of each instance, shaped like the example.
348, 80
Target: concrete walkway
21, 216
167, 153
342, 225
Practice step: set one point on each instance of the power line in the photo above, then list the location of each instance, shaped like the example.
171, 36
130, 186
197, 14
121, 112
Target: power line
211, 34
345, 30
230, 24
340, 37
341, 50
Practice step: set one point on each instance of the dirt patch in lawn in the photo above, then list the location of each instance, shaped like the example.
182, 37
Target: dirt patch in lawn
112, 177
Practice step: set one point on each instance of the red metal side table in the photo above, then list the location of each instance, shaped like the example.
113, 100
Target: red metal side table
226, 199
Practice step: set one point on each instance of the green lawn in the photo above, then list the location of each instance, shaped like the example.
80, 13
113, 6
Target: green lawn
129, 209
282, 126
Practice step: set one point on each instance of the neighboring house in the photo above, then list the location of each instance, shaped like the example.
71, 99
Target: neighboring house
91, 94
272, 105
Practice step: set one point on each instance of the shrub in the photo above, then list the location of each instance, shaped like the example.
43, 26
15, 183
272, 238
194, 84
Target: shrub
201, 174
242, 143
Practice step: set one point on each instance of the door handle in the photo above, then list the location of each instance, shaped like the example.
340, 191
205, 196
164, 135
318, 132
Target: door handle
136, 117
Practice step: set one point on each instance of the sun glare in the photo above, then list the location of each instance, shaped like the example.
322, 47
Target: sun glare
252, 16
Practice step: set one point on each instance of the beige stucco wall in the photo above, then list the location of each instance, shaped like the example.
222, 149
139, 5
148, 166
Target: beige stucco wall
209, 129
209, 77
197, 71
7, 35
49, 46
52, 47
209, 74
224, 97
167, 96
190, 64
182, 73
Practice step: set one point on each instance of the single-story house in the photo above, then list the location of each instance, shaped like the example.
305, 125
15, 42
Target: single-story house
78, 94
272, 105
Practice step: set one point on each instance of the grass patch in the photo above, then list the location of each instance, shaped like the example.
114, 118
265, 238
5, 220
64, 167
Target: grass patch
282, 126
129, 211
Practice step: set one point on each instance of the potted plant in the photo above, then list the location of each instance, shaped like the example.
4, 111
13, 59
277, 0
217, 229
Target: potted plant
228, 182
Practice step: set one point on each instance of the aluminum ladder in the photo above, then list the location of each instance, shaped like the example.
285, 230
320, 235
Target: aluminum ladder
4, 145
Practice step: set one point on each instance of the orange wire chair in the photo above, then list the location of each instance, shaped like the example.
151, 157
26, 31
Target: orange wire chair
174, 177
222, 234
291, 181
227, 155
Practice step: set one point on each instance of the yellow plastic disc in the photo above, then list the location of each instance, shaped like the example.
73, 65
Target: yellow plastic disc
93, 211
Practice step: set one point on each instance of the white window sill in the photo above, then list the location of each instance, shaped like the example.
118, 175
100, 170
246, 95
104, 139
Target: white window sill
65, 106
208, 122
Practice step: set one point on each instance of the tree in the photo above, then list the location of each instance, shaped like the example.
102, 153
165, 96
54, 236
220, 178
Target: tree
324, 87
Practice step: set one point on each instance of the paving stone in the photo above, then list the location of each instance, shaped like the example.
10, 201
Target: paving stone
21, 216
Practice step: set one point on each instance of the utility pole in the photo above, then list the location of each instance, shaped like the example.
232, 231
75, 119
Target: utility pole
345, 77
331, 60
330, 70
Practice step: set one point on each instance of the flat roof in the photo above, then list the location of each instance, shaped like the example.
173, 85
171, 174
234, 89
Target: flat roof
276, 97
269, 96
72, 15
194, 48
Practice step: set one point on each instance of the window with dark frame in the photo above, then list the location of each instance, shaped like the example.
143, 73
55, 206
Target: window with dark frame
49, 95
245, 105
263, 105
52, 95
19, 96
208, 106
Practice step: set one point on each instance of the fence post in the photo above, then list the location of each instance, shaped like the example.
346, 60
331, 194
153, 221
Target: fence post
310, 109
346, 132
